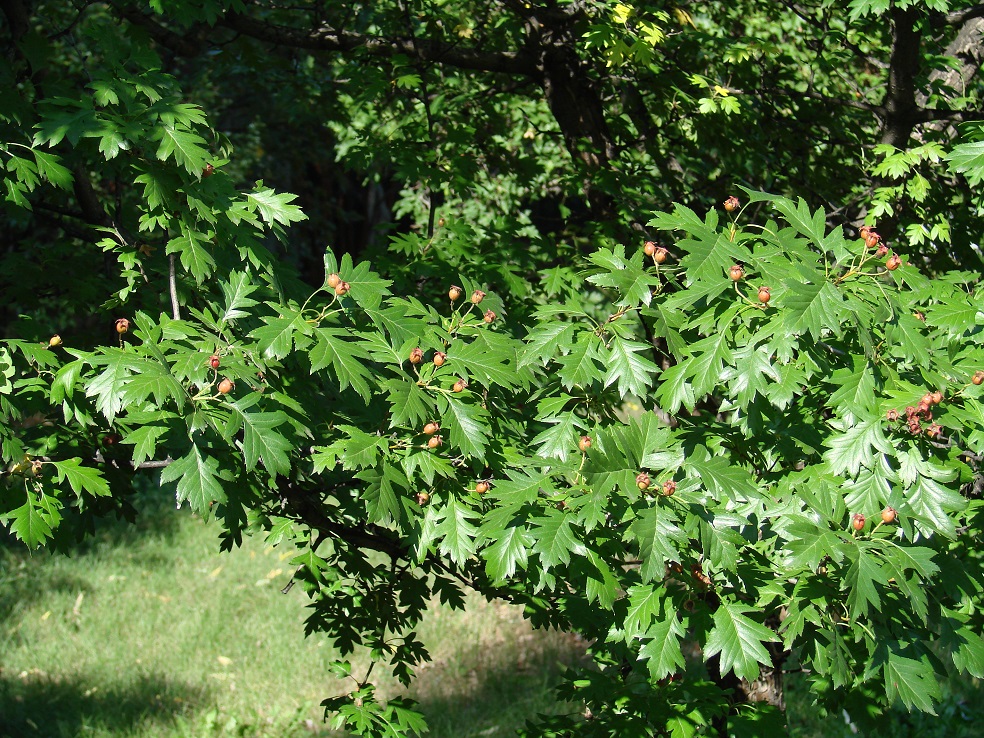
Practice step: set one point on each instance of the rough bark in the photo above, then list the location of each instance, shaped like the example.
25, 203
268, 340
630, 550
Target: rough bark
899, 110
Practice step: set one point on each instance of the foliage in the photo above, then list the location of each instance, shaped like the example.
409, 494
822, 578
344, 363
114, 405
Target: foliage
735, 450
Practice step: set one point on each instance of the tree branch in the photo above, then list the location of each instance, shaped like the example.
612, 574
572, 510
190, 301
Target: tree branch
327, 38
959, 17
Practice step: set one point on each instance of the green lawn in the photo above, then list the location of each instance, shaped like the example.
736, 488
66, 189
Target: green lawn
149, 632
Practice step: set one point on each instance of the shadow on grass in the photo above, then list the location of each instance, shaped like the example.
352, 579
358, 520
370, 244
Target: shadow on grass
33, 704
506, 688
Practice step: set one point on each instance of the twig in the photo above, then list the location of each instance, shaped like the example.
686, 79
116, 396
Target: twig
173, 285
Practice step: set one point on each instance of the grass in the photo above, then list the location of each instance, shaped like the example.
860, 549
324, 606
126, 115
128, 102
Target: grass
147, 631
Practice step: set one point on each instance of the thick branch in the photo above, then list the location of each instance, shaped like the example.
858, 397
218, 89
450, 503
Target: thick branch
959, 17
326, 38
900, 112
183, 44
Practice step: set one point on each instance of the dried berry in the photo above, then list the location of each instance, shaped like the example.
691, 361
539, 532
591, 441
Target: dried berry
892, 415
857, 522
978, 377
416, 356
642, 480
736, 273
477, 296
454, 292
881, 250
888, 515
333, 280
669, 487
660, 256
122, 325
489, 316
934, 431
422, 498
584, 443
910, 411
731, 204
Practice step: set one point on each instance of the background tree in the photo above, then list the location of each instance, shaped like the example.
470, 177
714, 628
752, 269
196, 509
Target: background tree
793, 493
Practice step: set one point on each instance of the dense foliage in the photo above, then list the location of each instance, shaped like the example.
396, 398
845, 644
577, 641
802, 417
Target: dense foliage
747, 430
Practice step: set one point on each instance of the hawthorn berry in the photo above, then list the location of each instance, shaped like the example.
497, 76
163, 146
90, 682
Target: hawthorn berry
225, 386
110, 439
978, 377
871, 240
765, 294
439, 358
208, 171
431, 428
489, 316
434, 441
864, 231
642, 481
888, 515
477, 296
892, 415
934, 431
122, 325
881, 250
660, 256
342, 289
459, 386
333, 280
454, 292
669, 487
857, 522
584, 443
893, 262
650, 248
736, 273
732, 204
214, 361
54, 341
482, 487
422, 498
910, 411
416, 356
936, 397
914, 427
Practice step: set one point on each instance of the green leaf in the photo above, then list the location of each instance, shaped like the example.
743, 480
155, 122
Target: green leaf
555, 541
236, 291
456, 532
656, 535
467, 425
847, 452
197, 478
508, 553
81, 478
913, 681
194, 256
332, 349
186, 148
32, 522
661, 645
630, 370
818, 308
274, 207
862, 577
261, 442
739, 640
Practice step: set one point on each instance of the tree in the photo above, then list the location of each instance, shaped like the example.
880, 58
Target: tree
756, 429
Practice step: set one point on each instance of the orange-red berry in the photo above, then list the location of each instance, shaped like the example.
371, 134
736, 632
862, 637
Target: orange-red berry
226, 386
122, 325
333, 280
439, 358
857, 522
736, 273
765, 294
482, 487
477, 297
416, 356
731, 204
889, 515
893, 262
454, 292
431, 428
642, 480
584, 443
